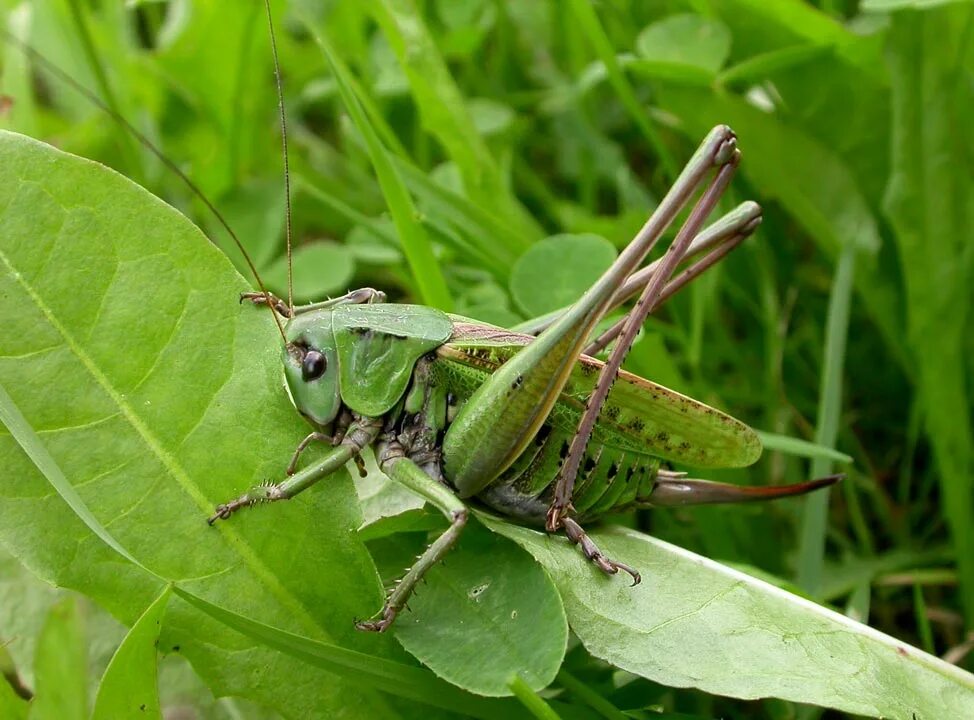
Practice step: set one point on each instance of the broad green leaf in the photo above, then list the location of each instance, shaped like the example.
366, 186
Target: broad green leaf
506, 617
117, 296
691, 40
319, 270
129, 687
358, 668
12, 706
61, 666
695, 623
554, 272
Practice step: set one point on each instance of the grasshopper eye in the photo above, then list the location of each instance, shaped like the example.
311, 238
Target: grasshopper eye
313, 365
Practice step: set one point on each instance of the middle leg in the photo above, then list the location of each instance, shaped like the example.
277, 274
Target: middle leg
394, 463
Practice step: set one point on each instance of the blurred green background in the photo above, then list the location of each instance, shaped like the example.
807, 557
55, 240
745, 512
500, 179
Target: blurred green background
845, 320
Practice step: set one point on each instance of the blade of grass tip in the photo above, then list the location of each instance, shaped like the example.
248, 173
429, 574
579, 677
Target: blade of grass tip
588, 20
923, 622
860, 600
801, 448
531, 700
415, 243
815, 512
589, 696
24, 434
391, 677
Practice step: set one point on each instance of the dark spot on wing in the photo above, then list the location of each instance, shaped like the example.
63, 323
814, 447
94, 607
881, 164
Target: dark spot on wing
542, 435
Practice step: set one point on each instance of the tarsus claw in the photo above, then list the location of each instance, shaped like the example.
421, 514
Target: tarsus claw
388, 615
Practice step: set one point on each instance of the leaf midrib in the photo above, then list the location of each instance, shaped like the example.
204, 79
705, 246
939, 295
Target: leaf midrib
173, 467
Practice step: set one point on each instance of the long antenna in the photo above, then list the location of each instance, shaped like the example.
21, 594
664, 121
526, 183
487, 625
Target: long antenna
93, 98
287, 170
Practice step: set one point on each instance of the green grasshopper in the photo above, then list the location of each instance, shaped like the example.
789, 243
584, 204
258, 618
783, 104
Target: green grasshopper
529, 426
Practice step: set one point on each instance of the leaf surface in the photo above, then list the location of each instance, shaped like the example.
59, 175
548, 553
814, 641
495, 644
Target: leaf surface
168, 401
695, 623
506, 617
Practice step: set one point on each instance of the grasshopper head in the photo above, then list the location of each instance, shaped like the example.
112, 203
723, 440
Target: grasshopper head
311, 367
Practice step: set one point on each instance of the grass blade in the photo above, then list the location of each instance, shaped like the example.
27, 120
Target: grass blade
801, 448
930, 204
24, 434
811, 548
590, 25
530, 699
444, 112
412, 235
385, 675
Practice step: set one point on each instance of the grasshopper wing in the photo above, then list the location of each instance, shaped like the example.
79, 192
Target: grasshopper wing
653, 419
639, 415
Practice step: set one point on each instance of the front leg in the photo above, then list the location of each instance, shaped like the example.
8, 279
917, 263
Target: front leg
361, 433
394, 463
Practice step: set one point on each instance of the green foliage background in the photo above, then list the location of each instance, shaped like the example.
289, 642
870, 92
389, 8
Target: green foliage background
465, 132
